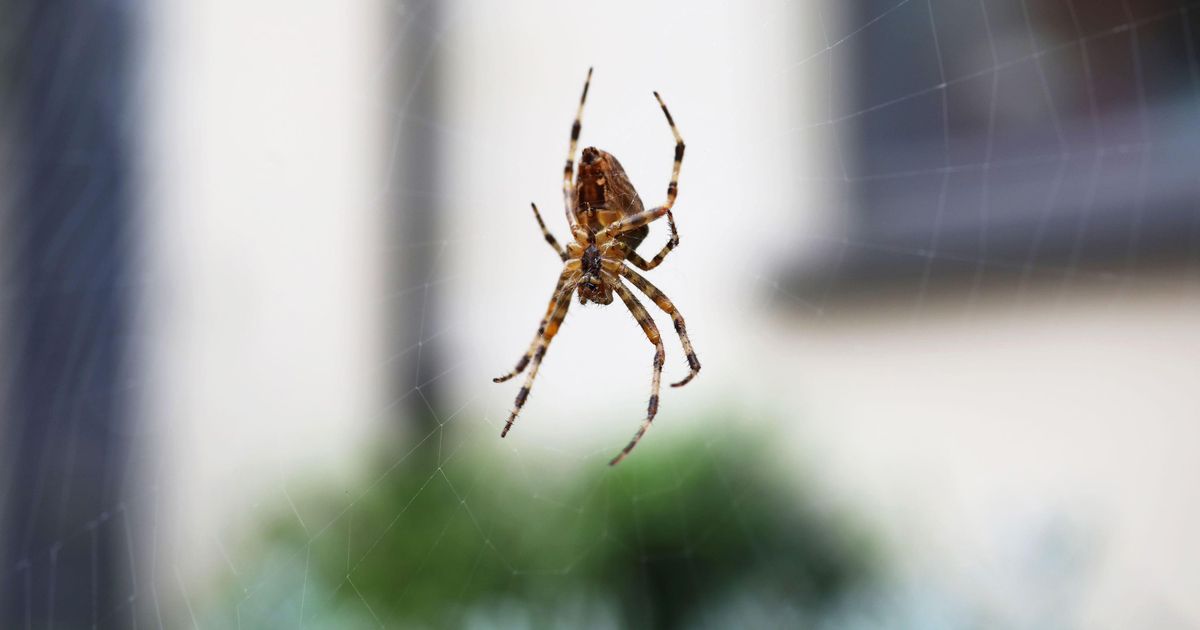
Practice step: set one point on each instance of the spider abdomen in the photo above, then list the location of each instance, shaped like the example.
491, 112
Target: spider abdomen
604, 195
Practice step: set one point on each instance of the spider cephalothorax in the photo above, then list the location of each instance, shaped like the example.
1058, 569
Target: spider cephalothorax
591, 285
608, 222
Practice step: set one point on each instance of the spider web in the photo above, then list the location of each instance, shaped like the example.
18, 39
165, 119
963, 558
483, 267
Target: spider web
836, 231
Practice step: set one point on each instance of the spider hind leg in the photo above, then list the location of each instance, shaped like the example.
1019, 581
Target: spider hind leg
569, 168
635, 221
641, 263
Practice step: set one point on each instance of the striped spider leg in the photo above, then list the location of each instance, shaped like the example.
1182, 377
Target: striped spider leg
550, 240
661, 300
648, 326
632, 222
547, 329
569, 169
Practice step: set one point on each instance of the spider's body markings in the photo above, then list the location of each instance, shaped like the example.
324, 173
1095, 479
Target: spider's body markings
592, 286
608, 222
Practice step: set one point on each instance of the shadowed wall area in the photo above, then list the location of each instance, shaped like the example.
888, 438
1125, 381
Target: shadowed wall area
66, 301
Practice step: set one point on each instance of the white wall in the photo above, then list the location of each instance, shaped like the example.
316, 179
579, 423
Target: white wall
264, 171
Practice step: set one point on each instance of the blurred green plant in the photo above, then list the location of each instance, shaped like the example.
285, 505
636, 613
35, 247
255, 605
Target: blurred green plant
697, 533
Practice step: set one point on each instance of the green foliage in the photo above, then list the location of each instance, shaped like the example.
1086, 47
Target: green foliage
668, 538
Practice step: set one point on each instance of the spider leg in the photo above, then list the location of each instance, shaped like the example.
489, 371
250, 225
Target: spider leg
673, 187
647, 323
569, 169
642, 218
630, 223
665, 304
556, 302
546, 332
546, 233
641, 263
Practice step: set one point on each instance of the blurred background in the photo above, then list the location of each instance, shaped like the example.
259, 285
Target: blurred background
260, 262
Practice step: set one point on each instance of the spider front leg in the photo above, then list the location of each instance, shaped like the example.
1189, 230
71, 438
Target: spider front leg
537, 350
556, 300
553, 242
647, 323
665, 304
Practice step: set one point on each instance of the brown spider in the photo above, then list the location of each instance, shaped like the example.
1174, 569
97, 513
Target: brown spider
608, 222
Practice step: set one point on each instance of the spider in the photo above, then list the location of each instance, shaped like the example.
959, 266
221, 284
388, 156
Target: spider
607, 222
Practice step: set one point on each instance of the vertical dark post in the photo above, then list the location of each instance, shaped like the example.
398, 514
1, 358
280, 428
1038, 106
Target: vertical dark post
414, 197
66, 306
